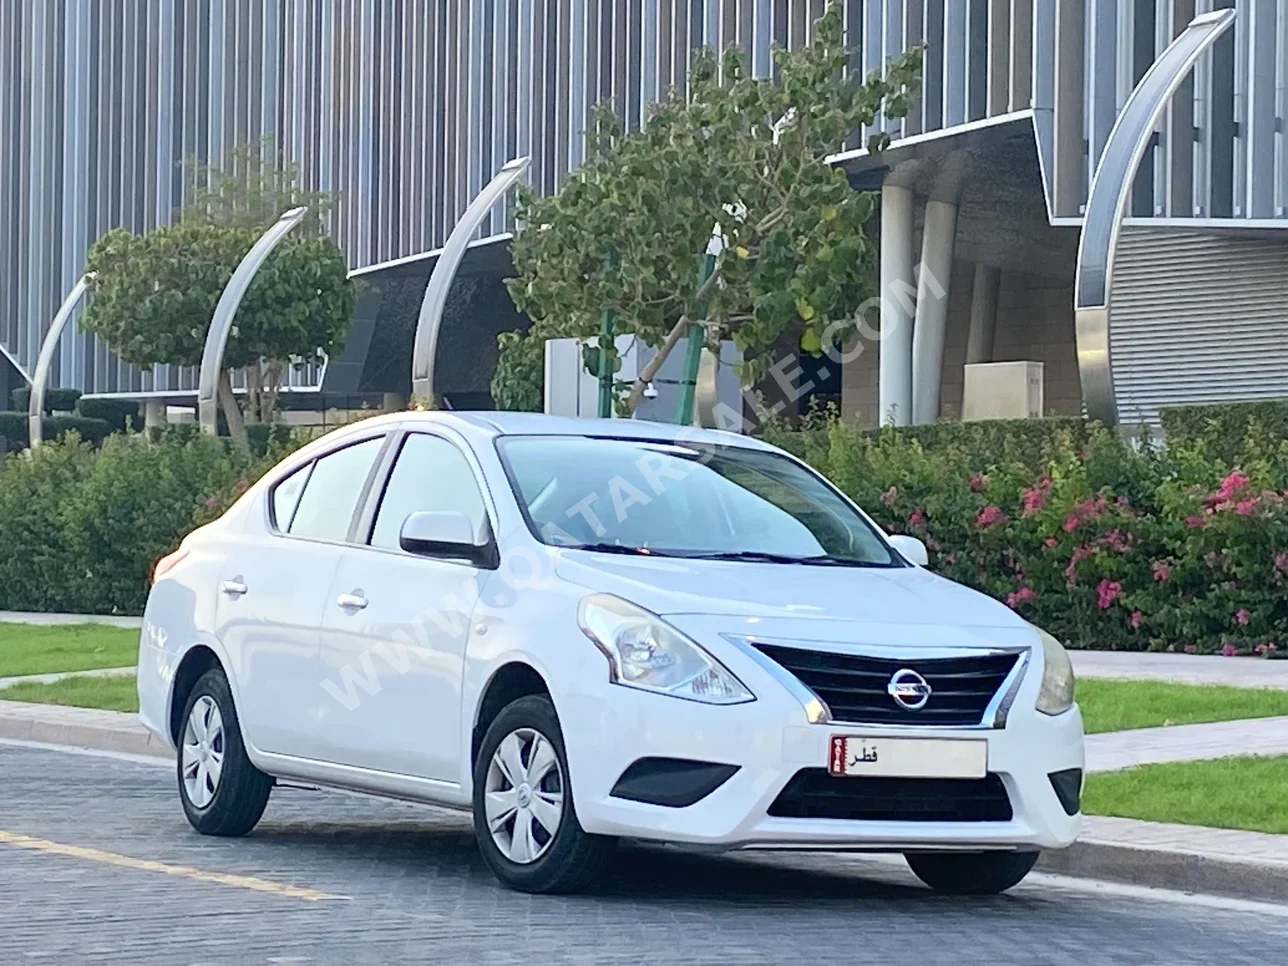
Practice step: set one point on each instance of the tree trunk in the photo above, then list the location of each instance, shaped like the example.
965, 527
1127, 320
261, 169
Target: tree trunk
672, 339
232, 413
254, 391
649, 371
275, 373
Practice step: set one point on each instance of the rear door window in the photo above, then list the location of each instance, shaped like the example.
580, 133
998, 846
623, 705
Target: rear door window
326, 509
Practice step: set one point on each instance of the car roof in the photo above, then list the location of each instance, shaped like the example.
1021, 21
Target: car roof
505, 423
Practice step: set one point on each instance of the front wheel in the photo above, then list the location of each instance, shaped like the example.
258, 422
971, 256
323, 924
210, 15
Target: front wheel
221, 791
971, 873
524, 817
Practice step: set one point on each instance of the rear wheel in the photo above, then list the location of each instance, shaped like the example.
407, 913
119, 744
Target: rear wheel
971, 873
524, 816
221, 791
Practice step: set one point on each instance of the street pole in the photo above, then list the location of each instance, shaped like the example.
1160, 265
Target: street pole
693, 351
605, 361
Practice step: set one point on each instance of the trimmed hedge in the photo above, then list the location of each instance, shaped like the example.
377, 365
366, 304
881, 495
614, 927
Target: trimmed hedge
13, 427
121, 414
81, 528
60, 400
1106, 546
1233, 432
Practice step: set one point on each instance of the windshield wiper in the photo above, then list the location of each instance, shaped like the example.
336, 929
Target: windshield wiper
616, 548
761, 556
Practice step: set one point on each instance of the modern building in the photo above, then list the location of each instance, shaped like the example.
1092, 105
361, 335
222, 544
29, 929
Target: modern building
407, 107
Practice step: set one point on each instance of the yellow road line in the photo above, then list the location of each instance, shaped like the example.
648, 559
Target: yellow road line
147, 865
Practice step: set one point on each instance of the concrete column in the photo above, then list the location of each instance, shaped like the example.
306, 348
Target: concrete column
393, 402
983, 314
154, 413
894, 380
932, 309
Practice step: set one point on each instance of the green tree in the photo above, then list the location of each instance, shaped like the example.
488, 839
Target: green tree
154, 294
742, 155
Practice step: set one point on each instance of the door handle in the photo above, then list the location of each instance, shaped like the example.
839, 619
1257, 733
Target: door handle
233, 588
352, 601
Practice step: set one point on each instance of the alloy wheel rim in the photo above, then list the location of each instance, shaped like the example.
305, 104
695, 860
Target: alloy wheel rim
203, 751
523, 795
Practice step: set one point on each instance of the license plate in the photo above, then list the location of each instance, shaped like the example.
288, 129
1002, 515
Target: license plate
856, 755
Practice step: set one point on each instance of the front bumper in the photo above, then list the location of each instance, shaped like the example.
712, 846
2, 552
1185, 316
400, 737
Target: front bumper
607, 729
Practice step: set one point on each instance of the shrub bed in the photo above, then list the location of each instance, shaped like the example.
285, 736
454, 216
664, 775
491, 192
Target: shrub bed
80, 528
1163, 547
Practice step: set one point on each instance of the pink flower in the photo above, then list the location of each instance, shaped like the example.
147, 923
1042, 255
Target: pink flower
890, 495
1241, 617
1035, 496
1019, 597
950, 559
1189, 648
1107, 591
1070, 523
1245, 508
916, 518
1195, 522
1229, 650
1136, 618
990, 516
1281, 561
978, 482
1071, 571
1049, 541
1161, 570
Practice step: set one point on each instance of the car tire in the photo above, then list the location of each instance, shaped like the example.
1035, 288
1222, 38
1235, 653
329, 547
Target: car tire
511, 803
221, 791
971, 873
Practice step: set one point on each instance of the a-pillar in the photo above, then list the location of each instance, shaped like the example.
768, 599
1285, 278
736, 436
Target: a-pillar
894, 379
936, 268
983, 314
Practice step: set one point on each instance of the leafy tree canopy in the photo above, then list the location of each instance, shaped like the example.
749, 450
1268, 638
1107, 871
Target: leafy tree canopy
154, 294
746, 154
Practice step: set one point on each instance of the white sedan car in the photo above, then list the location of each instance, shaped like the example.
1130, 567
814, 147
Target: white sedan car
588, 630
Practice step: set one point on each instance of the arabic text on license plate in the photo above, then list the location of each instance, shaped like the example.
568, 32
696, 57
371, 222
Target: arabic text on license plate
850, 755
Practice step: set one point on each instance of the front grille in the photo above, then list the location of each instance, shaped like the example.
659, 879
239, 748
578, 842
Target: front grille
854, 685
813, 793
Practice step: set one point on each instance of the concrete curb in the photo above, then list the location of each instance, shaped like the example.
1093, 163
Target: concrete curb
1209, 874
80, 728
59, 620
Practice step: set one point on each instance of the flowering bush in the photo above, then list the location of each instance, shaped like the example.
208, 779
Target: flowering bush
1106, 546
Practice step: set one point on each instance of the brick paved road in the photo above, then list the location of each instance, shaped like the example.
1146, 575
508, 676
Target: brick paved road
418, 893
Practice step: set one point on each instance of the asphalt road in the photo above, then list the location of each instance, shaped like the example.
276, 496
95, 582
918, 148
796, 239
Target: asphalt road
98, 865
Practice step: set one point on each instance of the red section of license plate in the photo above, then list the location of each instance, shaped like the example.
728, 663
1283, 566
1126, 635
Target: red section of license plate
836, 755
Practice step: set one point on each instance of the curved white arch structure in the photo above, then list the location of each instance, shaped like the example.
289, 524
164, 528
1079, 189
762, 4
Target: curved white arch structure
212, 356
440, 280
40, 375
1107, 203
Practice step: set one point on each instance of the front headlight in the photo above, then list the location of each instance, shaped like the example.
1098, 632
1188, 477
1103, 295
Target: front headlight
1056, 693
645, 652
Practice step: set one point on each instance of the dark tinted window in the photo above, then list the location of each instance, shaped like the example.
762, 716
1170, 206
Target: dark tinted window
332, 492
286, 496
430, 474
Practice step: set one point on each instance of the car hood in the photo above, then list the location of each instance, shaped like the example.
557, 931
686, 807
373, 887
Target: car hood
899, 596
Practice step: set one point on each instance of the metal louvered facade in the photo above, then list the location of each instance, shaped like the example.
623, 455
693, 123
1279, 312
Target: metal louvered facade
1216, 331
407, 107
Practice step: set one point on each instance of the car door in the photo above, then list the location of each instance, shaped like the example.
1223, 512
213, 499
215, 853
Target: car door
395, 625
272, 590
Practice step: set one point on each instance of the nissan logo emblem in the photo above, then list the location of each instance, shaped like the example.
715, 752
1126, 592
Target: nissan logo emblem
909, 689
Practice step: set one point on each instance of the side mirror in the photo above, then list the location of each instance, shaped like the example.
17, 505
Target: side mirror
447, 534
910, 548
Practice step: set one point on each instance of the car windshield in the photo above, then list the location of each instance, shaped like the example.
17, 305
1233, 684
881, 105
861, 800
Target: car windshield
685, 500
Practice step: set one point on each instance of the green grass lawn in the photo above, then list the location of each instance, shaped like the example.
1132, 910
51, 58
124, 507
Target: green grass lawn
1246, 792
111, 694
33, 649
1113, 705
